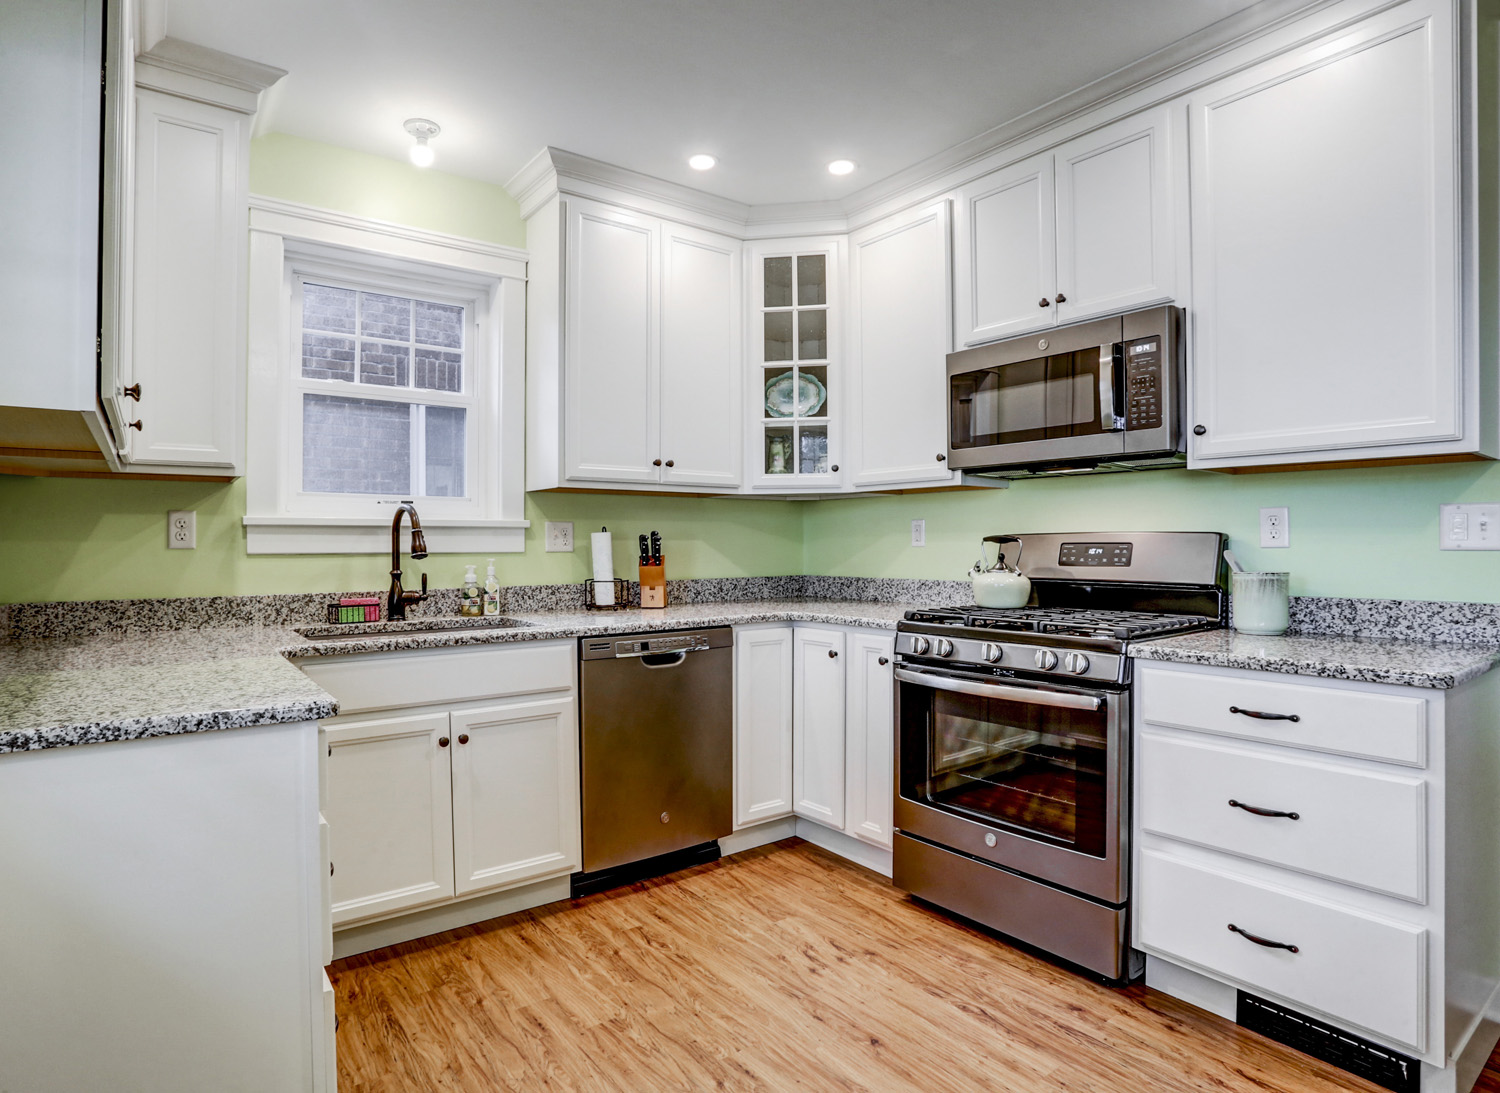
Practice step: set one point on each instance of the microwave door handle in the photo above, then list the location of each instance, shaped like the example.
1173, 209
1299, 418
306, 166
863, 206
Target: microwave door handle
1031, 696
1109, 419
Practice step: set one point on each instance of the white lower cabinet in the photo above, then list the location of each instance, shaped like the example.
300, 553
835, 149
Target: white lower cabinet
814, 728
1354, 880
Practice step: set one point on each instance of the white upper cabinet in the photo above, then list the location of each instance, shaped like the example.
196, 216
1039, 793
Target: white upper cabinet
611, 339
899, 324
649, 354
1083, 230
1326, 251
700, 375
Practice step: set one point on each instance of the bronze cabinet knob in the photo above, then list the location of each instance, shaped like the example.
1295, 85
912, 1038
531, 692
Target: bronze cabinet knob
656, 462
1199, 430
884, 661
670, 463
1061, 298
832, 653
463, 738
1044, 302
941, 458
834, 468
133, 391
442, 741
135, 425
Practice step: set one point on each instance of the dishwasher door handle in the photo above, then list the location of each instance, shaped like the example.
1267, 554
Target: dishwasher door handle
674, 659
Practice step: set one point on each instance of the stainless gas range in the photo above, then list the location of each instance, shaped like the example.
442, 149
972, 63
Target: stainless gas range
1013, 738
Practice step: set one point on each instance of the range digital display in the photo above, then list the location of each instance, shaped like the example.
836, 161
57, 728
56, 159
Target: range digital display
1095, 555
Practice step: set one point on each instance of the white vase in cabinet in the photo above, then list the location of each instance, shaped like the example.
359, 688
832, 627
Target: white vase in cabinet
1086, 229
762, 724
515, 793
870, 730
1326, 253
900, 308
819, 762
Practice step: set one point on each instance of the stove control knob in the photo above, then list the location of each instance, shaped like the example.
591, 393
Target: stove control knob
920, 646
991, 652
1076, 663
944, 647
1046, 659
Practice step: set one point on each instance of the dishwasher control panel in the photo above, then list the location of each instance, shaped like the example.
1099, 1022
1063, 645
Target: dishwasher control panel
641, 645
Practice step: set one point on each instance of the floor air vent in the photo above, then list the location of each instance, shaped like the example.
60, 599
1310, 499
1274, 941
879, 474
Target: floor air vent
1358, 1056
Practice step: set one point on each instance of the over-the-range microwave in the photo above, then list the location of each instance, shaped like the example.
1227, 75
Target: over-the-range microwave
1099, 395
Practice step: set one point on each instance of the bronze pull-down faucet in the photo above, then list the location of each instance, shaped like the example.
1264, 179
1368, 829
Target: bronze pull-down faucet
395, 603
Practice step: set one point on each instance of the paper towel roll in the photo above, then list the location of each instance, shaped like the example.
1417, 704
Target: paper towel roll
604, 567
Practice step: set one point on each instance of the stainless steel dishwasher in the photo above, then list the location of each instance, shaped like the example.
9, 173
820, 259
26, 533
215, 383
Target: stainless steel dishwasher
657, 753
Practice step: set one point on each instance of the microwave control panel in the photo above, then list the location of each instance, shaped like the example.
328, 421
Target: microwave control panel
1143, 386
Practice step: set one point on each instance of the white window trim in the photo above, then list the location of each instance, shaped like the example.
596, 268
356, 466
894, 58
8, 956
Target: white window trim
288, 239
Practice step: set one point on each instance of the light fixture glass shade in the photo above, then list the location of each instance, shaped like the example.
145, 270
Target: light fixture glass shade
702, 161
421, 154
841, 167
422, 130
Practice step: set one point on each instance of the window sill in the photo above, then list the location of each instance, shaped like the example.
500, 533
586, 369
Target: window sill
358, 535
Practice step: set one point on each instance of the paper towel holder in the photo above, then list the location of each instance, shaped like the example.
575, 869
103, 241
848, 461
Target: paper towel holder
591, 595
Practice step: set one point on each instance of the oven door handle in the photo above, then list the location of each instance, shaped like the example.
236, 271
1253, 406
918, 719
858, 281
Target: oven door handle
1032, 696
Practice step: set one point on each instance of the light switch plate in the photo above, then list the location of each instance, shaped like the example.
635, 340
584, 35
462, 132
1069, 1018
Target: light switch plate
919, 533
182, 529
559, 536
1275, 528
1469, 527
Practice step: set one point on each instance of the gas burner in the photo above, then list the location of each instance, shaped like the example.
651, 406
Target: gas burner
1063, 621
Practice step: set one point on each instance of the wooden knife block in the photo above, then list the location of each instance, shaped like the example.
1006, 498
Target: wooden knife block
654, 585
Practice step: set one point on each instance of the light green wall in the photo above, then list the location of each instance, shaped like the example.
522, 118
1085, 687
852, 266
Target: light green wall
393, 190
1366, 532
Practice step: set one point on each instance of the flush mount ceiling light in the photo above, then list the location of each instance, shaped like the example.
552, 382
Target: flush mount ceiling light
841, 167
702, 161
422, 130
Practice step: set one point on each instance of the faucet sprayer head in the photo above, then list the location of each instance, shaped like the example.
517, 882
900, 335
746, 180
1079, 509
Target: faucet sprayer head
418, 543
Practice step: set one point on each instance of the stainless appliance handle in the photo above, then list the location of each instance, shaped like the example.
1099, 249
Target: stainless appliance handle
1108, 422
681, 655
1033, 696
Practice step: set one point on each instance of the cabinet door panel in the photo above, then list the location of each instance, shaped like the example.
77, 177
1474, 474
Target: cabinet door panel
700, 358
1115, 240
389, 815
902, 315
818, 766
515, 793
871, 724
1324, 266
762, 725
611, 345
188, 285
1006, 253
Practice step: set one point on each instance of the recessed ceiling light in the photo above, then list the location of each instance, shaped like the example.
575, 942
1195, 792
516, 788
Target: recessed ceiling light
420, 153
841, 167
702, 161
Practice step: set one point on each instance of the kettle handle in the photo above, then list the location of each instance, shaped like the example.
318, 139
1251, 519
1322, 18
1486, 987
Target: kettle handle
1001, 540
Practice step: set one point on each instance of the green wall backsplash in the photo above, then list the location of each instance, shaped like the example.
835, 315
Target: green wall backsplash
1360, 533
96, 539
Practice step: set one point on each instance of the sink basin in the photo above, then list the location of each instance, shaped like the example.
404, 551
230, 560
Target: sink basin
364, 631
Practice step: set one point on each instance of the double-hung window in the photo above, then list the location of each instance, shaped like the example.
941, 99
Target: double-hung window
386, 365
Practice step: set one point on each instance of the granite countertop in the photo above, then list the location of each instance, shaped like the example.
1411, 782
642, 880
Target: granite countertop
136, 683
1328, 656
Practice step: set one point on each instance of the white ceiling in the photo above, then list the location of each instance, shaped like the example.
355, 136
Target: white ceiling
773, 88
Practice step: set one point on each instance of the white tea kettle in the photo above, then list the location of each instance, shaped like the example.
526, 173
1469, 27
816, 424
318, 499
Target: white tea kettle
1000, 585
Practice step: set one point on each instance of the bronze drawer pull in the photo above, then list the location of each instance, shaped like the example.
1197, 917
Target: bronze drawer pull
1269, 944
1262, 716
1263, 811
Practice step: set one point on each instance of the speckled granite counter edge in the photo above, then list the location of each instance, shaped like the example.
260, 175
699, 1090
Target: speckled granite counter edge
1333, 657
160, 725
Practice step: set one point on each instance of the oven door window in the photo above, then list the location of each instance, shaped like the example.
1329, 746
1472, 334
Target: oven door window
1040, 399
1038, 770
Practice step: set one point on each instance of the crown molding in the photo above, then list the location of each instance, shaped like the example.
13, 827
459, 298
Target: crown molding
190, 59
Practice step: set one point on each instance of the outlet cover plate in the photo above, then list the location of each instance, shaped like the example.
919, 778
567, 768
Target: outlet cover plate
1275, 528
919, 533
559, 536
1469, 527
182, 529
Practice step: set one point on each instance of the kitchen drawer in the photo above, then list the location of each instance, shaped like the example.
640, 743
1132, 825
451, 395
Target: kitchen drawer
1360, 828
1389, 727
1357, 969
383, 681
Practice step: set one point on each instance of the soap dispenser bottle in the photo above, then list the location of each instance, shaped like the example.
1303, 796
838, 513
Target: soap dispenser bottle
471, 607
491, 591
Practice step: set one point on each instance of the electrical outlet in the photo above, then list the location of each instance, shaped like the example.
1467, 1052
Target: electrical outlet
1469, 527
1275, 528
919, 533
182, 529
560, 536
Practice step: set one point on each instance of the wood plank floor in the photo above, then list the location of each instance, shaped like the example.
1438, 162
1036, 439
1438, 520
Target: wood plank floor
783, 968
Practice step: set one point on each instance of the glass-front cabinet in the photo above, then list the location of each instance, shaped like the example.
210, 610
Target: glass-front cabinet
794, 372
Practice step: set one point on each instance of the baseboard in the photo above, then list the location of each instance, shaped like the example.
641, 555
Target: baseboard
449, 916
858, 851
748, 838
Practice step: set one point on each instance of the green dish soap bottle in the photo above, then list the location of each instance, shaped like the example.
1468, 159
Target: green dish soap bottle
471, 606
491, 591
